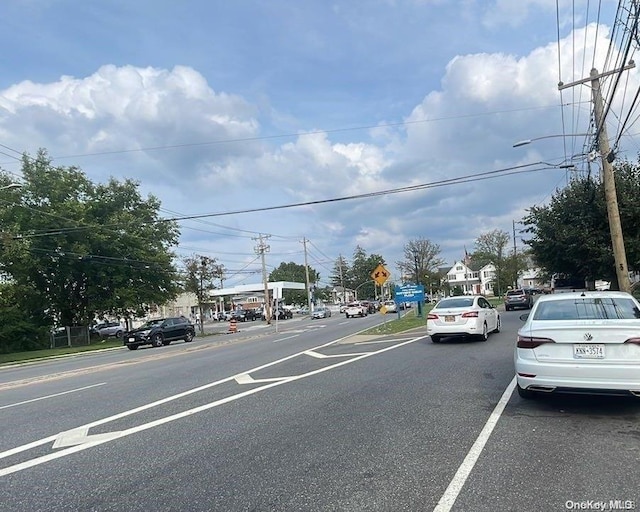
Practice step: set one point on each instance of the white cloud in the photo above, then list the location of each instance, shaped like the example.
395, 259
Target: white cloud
483, 102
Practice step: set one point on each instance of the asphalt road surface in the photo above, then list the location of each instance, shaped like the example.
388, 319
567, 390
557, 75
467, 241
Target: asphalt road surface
312, 417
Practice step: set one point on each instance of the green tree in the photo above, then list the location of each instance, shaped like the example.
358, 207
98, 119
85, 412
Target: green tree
83, 250
359, 275
23, 326
492, 247
295, 273
339, 273
421, 261
199, 280
571, 235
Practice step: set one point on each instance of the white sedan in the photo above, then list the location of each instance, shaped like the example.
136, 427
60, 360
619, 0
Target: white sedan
468, 315
580, 342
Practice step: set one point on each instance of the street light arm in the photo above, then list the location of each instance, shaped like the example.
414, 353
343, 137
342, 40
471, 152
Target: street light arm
11, 185
529, 141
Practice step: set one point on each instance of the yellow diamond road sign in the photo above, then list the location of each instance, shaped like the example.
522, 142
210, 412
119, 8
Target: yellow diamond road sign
380, 275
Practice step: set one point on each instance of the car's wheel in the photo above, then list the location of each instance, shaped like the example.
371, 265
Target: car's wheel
133, 347
507, 308
497, 329
157, 340
435, 339
346, 315
188, 337
525, 393
485, 333
118, 334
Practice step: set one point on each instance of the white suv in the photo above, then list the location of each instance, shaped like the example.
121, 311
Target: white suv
355, 309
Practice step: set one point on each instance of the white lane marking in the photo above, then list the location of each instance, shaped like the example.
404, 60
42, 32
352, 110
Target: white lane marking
245, 378
80, 436
287, 338
162, 401
80, 447
323, 356
51, 396
376, 342
455, 486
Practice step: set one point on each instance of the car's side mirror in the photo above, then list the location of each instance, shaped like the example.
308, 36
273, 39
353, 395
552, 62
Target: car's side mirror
524, 317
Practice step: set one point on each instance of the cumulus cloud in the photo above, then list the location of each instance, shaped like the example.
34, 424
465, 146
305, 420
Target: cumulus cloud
219, 158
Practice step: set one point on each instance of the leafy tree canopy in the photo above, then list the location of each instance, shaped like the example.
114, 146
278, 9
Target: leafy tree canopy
421, 261
297, 274
81, 249
571, 234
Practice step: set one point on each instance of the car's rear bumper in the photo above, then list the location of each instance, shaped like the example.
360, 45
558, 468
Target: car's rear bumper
563, 377
467, 329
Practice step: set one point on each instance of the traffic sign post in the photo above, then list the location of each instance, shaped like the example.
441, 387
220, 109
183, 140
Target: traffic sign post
380, 275
410, 293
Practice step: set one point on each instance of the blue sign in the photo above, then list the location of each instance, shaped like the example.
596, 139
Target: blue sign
409, 293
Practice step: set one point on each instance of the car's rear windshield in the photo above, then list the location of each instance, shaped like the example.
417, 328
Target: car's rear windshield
456, 302
588, 308
515, 292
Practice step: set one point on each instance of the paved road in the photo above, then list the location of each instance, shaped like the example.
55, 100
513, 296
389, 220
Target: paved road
309, 418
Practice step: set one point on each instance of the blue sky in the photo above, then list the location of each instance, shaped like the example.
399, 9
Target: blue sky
249, 104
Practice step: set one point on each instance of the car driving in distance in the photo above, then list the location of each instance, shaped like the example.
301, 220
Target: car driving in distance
321, 312
356, 309
580, 342
463, 316
518, 298
159, 332
390, 306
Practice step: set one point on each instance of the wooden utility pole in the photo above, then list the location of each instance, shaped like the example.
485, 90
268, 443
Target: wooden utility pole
306, 272
261, 248
608, 179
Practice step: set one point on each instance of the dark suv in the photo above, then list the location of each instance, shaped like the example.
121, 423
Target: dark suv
160, 332
519, 298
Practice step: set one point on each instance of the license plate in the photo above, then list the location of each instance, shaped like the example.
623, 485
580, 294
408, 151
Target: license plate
132, 339
591, 351
449, 318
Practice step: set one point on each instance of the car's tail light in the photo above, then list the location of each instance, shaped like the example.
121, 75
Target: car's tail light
532, 342
431, 316
635, 341
470, 314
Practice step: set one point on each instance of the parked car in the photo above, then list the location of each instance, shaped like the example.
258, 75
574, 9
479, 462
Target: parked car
356, 309
321, 312
580, 342
464, 316
159, 332
519, 298
343, 308
390, 306
108, 329
283, 313
280, 314
252, 314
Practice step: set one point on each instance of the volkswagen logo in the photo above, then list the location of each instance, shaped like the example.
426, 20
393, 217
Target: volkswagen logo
588, 336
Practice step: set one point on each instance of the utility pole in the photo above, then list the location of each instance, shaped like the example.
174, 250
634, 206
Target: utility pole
220, 274
515, 253
260, 249
344, 294
611, 197
306, 272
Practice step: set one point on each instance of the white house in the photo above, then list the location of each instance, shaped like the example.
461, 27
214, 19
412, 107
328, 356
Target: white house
470, 279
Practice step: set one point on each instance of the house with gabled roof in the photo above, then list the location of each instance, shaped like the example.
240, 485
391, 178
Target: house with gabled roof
470, 278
